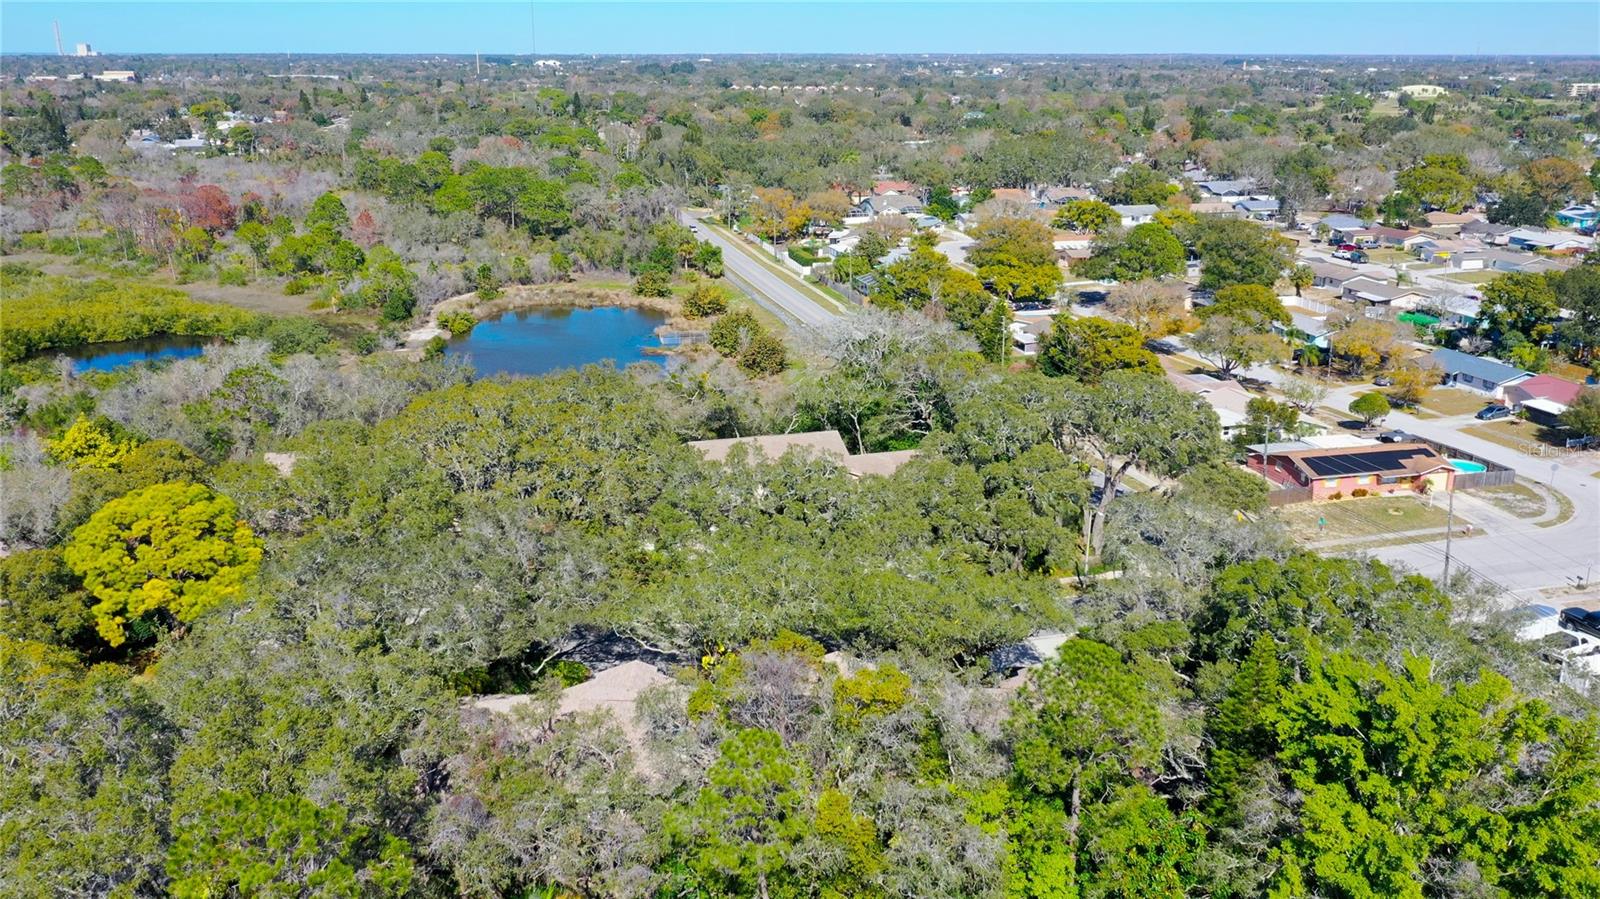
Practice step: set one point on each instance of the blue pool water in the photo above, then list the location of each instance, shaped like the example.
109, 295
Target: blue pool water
1464, 465
536, 341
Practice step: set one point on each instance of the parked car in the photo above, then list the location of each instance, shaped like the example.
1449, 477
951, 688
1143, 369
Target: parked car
1383, 381
1394, 437
1492, 412
1353, 254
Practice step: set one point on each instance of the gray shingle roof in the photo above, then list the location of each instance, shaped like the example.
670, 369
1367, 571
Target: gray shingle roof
1455, 362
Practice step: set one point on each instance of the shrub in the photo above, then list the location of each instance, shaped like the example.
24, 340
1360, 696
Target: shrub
233, 276
653, 284
731, 332
1336, 495
705, 300
297, 286
434, 349
764, 355
366, 343
459, 322
1359, 492
295, 334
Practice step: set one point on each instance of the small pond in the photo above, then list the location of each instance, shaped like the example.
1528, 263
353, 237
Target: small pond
117, 353
536, 341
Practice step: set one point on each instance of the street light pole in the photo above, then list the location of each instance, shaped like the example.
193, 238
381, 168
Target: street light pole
1449, 522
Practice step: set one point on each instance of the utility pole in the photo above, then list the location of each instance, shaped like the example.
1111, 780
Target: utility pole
1449, 520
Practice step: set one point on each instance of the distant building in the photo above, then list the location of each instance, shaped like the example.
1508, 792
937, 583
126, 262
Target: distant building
1583, 88
119, 75
1137, 214
85, 50
1423, 91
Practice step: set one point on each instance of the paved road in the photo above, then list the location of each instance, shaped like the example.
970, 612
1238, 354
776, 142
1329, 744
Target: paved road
765, 286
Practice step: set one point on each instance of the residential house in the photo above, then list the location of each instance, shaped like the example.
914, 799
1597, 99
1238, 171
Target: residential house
1457, 254
1013, 195
1231, 190
1340, 221
1214, 207
1508, 261
1226, 397
1066, 241
1137, 214
895, 204
1349, 471
827, 444
1543, 397
1398, 238
1549, 241
887, 188
1448, 223
1487, 232
1061, 196
1578, 215
1487, 376
1259, 209
1373, 292
1305, 329
1332, 276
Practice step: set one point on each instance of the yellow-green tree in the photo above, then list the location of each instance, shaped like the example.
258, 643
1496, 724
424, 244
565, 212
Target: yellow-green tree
91, 443
171, 549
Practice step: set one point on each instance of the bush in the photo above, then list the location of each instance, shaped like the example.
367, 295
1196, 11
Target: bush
295, 334
1336, 495
803, 255
233, 276
298, 286
1359, 492
366, 343
731, 332
705, 300
458, 323
764, 355
653, 284
434, 349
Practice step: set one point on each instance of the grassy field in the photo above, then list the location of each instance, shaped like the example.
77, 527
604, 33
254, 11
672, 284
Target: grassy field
1478, 277
1512, 434
1452, 401
1515, 499
1365, 519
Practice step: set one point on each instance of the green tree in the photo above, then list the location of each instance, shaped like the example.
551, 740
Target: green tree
1093, 216
748, 822
172, 549
1146, 251
1243, 730
254, 845
1583, 416
1087, 348
705, 299
1441, 181
1519, 208
328, 212
1140, 184
1135, 420
1080, 725
1016, 258
1246, 302
1371, 406
731, 332
1519, 303
1232, 342
1235, 251
764, 355
1301, 277
1402, 776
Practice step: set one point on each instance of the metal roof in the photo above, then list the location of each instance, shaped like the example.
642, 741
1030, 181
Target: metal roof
1490, 371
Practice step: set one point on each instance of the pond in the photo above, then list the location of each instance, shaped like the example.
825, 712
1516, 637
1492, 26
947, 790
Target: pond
117, 353
536, 341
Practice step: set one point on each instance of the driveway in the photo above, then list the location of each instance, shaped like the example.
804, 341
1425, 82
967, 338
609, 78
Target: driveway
773, 291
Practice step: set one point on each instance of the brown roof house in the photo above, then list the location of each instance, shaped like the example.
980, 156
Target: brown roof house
827, 444
1355, 471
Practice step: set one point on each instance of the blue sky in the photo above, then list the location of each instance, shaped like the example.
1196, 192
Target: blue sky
834, 26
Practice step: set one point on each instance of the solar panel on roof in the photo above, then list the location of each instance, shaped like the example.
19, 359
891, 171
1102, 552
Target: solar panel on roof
1367, 462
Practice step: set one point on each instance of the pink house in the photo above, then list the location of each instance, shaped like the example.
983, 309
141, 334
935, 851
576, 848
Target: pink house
1372, 470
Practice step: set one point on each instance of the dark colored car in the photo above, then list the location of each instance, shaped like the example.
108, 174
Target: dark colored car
1490, 413
1394, 437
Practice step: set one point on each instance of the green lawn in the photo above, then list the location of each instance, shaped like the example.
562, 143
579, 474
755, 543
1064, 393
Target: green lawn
1363, 519
1515, 499
1453, 401
1522, 436
1479, 277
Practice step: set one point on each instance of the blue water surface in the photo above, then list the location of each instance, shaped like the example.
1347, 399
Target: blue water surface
536, 341
117, 353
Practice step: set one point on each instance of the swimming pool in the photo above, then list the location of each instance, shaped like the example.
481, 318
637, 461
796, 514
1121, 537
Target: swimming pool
1464, 465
